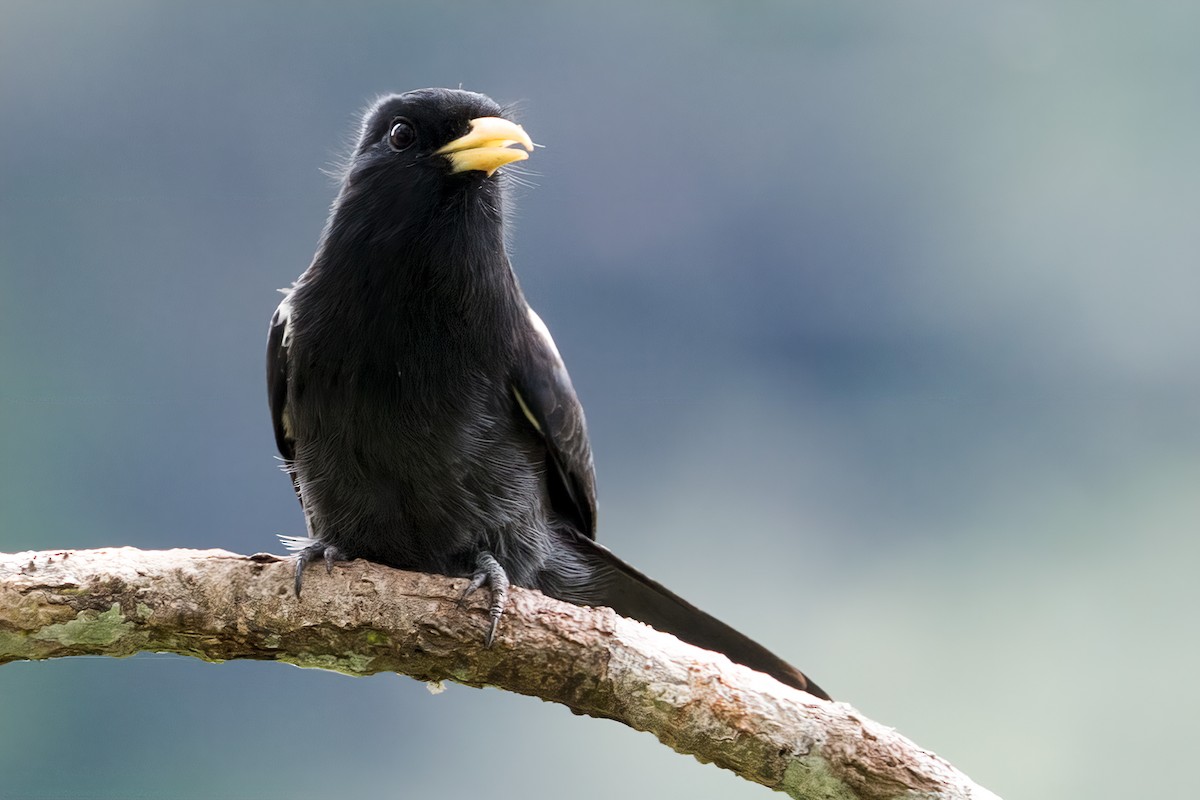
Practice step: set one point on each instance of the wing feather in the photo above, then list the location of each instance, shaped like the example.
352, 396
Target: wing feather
546, 398
277, 387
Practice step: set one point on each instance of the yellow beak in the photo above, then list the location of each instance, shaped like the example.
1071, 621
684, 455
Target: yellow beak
487, 146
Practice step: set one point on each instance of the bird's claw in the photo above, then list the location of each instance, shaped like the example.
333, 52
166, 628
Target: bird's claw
489, 571
311, 553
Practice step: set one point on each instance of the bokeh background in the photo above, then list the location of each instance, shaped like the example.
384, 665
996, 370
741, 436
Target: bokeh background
884, 317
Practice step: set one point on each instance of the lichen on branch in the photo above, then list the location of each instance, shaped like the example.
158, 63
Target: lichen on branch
364, 618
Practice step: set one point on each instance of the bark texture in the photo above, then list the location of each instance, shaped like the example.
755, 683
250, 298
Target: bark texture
363, 619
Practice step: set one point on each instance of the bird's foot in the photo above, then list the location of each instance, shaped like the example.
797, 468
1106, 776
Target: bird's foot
308, 550
489, 571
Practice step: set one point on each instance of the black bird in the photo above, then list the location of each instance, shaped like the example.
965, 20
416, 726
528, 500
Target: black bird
420, 405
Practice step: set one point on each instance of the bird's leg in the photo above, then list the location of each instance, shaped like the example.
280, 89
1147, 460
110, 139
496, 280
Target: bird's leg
489, 571
309, 550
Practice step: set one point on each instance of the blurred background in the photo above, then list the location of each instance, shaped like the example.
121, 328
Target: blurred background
884, 317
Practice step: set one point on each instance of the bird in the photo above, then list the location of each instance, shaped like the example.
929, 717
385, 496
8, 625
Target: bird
420, 405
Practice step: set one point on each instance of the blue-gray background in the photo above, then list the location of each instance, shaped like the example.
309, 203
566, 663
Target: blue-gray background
884, 316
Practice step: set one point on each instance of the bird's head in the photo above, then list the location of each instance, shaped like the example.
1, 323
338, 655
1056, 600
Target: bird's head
423, 146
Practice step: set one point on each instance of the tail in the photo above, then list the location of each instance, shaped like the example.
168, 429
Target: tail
613, 583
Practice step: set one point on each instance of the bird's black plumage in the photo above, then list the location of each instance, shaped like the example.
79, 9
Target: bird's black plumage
421, 406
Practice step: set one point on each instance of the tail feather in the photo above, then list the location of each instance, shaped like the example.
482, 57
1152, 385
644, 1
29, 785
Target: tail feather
630, 593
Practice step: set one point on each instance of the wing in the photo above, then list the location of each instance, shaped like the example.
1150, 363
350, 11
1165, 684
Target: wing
546, 398
277, 386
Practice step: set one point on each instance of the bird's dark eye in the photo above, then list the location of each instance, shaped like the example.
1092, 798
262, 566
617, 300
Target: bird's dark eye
402, 135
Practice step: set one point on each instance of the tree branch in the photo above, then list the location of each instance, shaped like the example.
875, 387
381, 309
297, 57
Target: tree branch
364, 618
